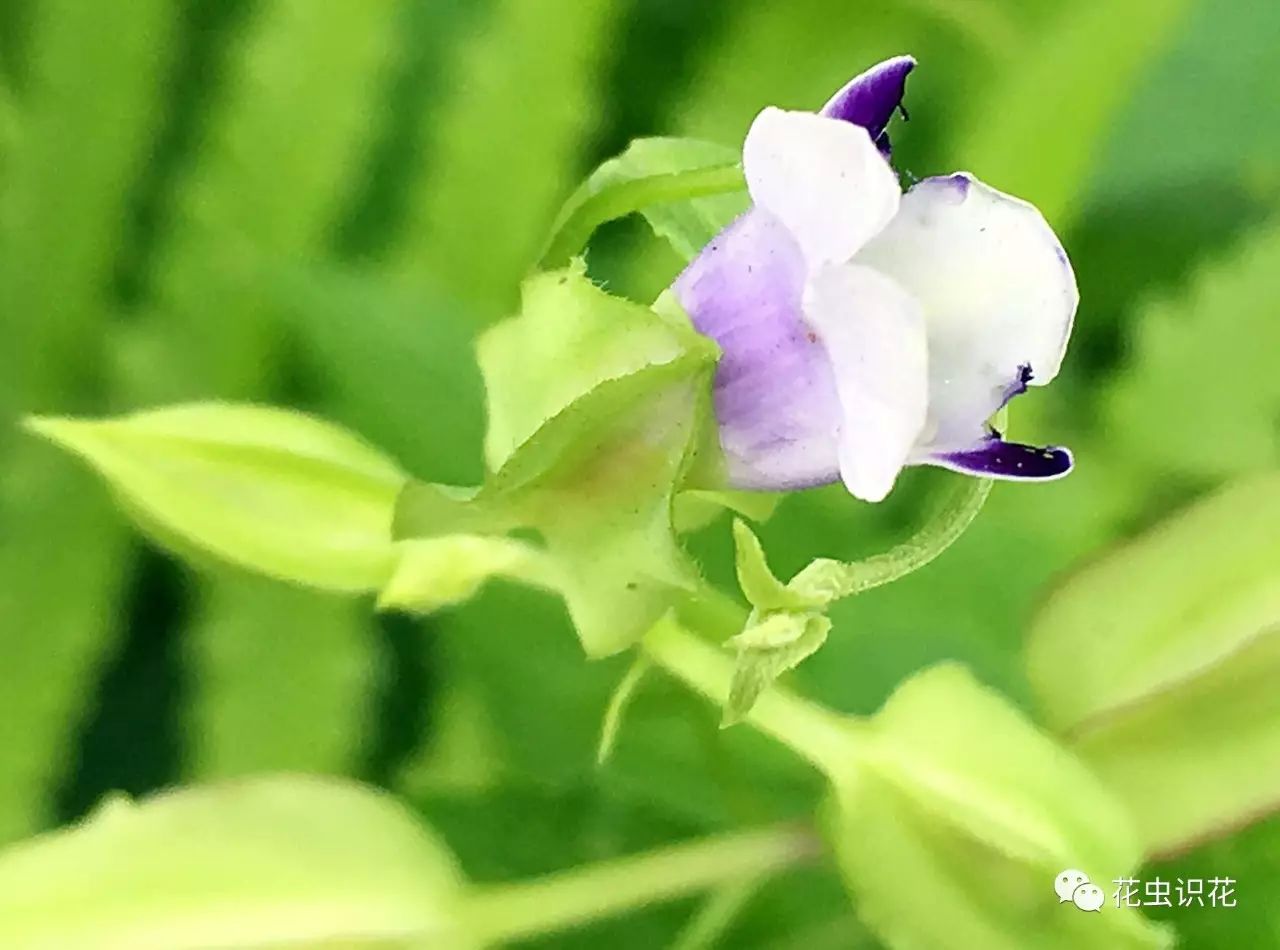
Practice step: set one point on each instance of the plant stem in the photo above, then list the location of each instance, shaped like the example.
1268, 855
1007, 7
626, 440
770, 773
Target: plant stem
717, 914
621, 199
833, 580
569, 898
824, 738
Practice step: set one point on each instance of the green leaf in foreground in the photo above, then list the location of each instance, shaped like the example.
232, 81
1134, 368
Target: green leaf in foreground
1147, 616
271, 490
1161, 666
283, 861
965, 810
687, 190
1199, 762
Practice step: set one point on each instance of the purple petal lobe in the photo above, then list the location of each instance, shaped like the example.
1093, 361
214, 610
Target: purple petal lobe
870, 99
996, 458
775, 394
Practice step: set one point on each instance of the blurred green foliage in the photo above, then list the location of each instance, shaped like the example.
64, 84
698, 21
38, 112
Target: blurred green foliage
321, 205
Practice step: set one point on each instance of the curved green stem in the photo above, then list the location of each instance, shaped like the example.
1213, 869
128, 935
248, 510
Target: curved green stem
832, 580
570, 898
619, 200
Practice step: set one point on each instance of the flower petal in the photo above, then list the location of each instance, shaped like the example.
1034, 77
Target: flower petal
823, 179
874, 333
1011, 461
870, 98
775, 398
998, 293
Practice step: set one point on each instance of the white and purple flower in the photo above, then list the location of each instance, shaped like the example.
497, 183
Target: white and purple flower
864, 329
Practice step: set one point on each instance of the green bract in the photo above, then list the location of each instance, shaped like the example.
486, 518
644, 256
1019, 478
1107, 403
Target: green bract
283, 861
596, 411
274, 491
1161, 666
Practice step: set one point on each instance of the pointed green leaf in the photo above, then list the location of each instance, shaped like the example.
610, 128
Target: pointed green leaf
758, 583
686, 189
278, 492
264, 863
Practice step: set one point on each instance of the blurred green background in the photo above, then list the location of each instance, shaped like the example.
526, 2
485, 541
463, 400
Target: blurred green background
320, 204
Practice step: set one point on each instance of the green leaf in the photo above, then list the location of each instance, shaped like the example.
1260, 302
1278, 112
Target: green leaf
1146, 617
269, 862
686, 189
1038, 130
966, 809
1200, 395
275, 491
1198, 762
758, 583
1161, 667
919, 882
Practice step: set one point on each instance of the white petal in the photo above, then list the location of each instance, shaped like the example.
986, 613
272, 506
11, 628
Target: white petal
823, 178
874, 333
998, 294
